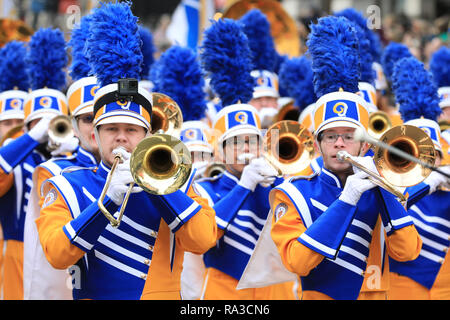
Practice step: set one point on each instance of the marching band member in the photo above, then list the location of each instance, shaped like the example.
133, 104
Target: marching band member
13, 86
256, 27
142, 257
377, 260
428, 276
19, 157
41, 280
439, 67
323, 223
239, 195
181, 78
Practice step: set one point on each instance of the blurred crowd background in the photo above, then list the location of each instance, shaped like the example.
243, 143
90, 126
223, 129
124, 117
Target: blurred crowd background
423, 25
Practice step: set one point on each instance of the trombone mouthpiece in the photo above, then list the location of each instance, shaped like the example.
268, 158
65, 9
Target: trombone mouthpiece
342, 155
119, 152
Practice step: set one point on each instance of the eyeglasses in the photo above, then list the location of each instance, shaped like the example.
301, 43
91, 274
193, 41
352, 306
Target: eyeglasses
330, 138
88, 118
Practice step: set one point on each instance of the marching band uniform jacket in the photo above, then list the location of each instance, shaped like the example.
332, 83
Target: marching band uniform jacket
326, 241
114, 263
18, 159
428, 276
41, 280
240, 217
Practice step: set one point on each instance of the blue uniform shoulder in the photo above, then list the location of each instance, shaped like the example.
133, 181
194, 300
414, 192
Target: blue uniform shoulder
303, 179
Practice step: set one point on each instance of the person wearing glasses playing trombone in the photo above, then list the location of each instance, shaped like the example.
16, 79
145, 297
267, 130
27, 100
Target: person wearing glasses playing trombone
140, 258
323, 224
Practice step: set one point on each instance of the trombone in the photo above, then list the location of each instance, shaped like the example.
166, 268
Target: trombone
288, 147
160, 164
395, 169
60, 130
403, 149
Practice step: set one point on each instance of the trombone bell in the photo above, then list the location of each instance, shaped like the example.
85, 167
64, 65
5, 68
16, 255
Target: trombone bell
400, 171
289, 146
160, 164
166, 115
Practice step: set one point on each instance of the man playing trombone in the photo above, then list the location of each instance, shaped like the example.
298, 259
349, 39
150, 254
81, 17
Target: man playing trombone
323, 224
140, 254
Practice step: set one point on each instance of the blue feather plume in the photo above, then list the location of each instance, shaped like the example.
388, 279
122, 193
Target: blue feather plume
13, 70
365, 49
375, 47
180, 77
113, 47
333, 46
257, 29
79, 67
296, 77
414, 90
392, 53
148, 49
226, 57
440, 67
46, 58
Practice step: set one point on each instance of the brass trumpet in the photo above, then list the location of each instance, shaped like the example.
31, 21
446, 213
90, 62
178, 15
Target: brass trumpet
288, 147
59, 130
379, 123
214, 169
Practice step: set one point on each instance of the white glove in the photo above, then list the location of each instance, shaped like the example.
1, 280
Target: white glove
436, 180
39, 132
259, 171
67, 146
355, 186
121, 179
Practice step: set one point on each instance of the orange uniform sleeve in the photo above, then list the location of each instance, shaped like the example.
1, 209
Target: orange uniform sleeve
285, 230
198, 234
404, 244
54, 215
41, 175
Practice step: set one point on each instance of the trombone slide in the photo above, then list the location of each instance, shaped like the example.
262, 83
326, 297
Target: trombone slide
376, 179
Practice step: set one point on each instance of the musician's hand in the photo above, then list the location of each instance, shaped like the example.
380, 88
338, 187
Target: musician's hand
366, 162
39, 132
121, 179
258, 171
436, 180
67, 146
355, 186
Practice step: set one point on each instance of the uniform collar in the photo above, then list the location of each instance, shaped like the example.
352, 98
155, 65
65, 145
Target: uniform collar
86, 157
330, 178
103, 170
